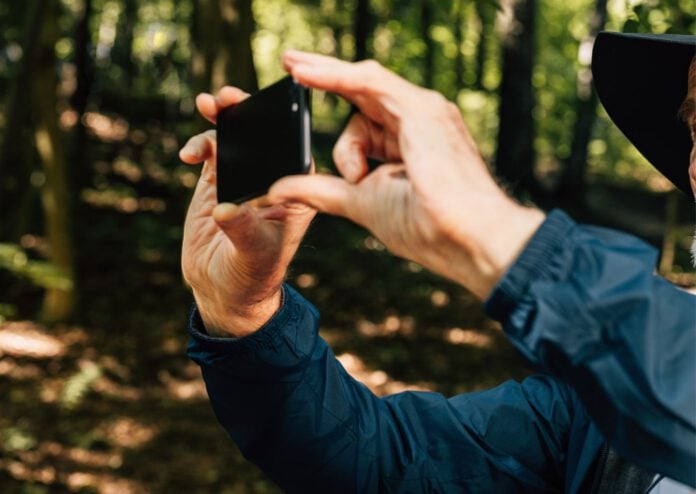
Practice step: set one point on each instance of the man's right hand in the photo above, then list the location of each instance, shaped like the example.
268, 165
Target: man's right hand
434, 201
235, 257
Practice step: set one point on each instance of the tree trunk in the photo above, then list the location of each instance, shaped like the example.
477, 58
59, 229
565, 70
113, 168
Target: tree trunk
459, 40
362, 29
123, 51
222, 45
571, 187
426, 19
515, 149
58, 303
84, 73
15, 170
338, 29
485, 17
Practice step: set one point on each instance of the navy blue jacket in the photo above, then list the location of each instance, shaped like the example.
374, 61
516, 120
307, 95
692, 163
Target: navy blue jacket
616, 342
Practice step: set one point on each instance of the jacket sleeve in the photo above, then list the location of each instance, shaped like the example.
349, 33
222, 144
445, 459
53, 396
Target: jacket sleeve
293, 410
584, 304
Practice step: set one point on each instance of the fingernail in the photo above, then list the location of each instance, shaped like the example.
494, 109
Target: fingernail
227, 210
191, 150
229, 214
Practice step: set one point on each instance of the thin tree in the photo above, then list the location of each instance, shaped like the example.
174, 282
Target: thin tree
515, 155
123, 49
459, 62
15, 168
426, 22
572, 184
84, 75
58, 302
222, 54
362, 29
485, 12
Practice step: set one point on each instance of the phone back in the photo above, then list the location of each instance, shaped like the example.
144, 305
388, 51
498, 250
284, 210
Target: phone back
262, 139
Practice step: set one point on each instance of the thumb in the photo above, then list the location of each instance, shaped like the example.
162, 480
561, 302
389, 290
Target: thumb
326, 193
240, 224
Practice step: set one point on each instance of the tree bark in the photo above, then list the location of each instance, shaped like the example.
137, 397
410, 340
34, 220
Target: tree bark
571, 188
15, 169
222, 45
515, 154
58, 303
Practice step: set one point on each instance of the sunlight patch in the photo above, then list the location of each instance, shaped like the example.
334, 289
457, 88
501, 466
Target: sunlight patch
128, 433
392, 325
378, 381
187, 389
26, 339
106, 128
473, 337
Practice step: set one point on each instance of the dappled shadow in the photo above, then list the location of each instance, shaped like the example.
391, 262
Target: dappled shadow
116, 434
113, 405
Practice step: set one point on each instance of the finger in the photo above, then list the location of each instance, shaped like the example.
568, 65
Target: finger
209, 106
378, 92
352, 148
205, 103
199, 148
324, 193
287, 212
241, 224
230, 95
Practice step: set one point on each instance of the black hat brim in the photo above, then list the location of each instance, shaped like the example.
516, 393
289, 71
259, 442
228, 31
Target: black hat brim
642, 80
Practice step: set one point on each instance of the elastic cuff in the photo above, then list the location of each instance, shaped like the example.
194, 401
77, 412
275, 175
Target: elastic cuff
530, 266
265, 337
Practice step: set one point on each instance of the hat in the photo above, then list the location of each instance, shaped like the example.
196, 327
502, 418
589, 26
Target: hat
641, 80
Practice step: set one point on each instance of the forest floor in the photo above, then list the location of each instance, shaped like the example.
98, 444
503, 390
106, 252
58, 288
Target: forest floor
112, 404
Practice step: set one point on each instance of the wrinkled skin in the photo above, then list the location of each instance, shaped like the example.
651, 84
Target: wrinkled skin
235, 257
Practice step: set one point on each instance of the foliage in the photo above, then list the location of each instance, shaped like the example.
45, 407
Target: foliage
78, 385
44, 274
17, 439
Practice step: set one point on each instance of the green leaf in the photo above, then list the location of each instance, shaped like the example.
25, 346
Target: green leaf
41, 273
16, 439
78, 385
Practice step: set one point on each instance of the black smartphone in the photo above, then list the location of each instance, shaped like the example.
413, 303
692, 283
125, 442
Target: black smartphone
263, 138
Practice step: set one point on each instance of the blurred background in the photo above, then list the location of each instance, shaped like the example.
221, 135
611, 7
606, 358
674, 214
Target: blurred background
96, 98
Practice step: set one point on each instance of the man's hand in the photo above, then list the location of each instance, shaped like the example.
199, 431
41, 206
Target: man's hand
433, 201
235, 257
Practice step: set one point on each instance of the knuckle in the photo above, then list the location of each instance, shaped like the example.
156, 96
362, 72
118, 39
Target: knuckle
371, 65
437, 100
371, 70
453, 110
337, 152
